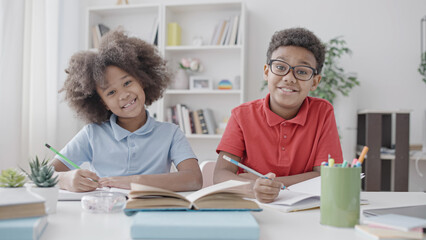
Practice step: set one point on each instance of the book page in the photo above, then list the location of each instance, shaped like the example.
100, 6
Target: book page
139, 191
221, 187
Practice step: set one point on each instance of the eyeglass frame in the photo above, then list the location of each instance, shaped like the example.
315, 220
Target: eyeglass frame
314, 71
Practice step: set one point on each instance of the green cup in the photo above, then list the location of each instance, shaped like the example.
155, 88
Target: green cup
340, 190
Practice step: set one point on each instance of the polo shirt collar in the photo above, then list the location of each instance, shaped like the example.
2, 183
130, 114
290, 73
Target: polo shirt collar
120, 133
273, 119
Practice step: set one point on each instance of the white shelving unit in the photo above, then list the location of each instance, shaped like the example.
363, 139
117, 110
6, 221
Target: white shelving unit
197, 20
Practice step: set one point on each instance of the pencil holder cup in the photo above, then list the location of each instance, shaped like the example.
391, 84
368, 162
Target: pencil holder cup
340, 196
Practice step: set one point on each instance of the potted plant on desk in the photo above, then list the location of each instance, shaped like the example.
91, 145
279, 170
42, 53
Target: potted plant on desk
12, 180
45, 184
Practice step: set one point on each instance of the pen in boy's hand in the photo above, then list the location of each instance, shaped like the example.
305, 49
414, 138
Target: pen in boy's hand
247, 168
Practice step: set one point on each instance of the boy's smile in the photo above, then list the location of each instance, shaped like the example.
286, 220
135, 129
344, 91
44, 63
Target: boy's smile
125, 97
286, 92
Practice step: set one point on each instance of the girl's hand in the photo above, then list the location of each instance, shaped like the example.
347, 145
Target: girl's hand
266, 190
79, 180
116, 182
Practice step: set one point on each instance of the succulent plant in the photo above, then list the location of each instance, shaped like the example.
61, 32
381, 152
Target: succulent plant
11, 178
42, 173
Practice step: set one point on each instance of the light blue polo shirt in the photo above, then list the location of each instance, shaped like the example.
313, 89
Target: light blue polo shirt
114, 151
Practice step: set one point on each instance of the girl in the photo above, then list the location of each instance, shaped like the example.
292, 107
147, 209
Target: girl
123, 144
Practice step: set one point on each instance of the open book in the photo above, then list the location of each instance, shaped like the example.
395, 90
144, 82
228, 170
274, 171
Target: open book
222, 196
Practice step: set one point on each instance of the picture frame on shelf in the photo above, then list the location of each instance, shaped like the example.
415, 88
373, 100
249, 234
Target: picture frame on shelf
200, 83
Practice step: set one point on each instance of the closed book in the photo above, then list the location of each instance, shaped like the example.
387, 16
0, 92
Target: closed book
210, 121
18, 203
173, 34
197, 123
396, 221
194, 225
219, 197
383, 233
22, 228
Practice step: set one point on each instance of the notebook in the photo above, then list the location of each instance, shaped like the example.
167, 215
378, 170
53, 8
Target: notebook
194, 225
418, 211
22, 228
65, 195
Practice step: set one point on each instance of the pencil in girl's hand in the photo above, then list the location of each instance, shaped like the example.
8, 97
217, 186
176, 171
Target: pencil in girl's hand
65, 158
246, 168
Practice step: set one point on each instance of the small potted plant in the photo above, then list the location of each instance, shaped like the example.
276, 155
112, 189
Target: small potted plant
45, 183
12, 178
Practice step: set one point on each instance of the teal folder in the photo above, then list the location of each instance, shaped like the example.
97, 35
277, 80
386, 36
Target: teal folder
22, 228
194, 225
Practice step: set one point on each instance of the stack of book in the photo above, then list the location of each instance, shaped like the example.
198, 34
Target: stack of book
227, 32
22, 214
199, 121
215, 212
392, 226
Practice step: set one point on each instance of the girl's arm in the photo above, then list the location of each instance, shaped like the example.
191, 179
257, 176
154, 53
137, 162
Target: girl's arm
187, 178
78, 180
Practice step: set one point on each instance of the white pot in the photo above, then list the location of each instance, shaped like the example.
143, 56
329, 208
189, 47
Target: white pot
50, 195
180, 80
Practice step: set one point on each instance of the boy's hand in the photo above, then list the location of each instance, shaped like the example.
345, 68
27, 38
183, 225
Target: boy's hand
266, 190
79, 180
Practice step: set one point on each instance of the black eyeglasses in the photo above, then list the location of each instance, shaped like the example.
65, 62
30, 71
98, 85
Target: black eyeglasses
301, 72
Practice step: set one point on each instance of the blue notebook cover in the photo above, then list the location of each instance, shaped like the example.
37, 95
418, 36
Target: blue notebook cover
194, 225
22, 228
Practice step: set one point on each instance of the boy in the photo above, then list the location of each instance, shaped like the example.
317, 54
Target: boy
287, 134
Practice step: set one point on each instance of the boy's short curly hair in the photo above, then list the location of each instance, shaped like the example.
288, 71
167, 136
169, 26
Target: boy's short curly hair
299, 37
86, 70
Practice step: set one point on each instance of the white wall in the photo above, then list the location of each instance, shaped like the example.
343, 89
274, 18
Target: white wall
384, 36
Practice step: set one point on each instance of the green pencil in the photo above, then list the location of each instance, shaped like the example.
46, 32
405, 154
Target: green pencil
66, 159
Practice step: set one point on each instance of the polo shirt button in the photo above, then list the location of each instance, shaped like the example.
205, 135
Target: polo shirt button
284, 124
285, 136
283, 148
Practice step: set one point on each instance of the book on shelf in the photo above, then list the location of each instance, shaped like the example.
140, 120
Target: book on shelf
220, 33
233, 38
186, 121
386, 233
154, 32
23, 228
95, 38
223, 196
19, 203
202, 121
210, 121
197, 124
194, 225
225, 33
396, 221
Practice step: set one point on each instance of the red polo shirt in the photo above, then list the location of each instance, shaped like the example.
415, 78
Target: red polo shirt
267, 142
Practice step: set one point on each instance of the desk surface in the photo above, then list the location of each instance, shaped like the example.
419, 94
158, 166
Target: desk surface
70, 222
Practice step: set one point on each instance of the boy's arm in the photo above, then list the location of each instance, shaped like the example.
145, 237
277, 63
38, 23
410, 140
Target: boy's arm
79, 180
188, 178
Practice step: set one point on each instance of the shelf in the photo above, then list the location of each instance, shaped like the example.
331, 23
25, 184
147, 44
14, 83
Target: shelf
203, 48
196, 92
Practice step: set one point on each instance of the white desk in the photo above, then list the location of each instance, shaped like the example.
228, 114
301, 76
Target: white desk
70, 222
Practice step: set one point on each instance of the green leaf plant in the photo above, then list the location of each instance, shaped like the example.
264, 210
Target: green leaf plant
11, 178
42, 173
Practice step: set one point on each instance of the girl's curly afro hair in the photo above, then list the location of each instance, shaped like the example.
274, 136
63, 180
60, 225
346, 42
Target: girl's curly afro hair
87, 68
